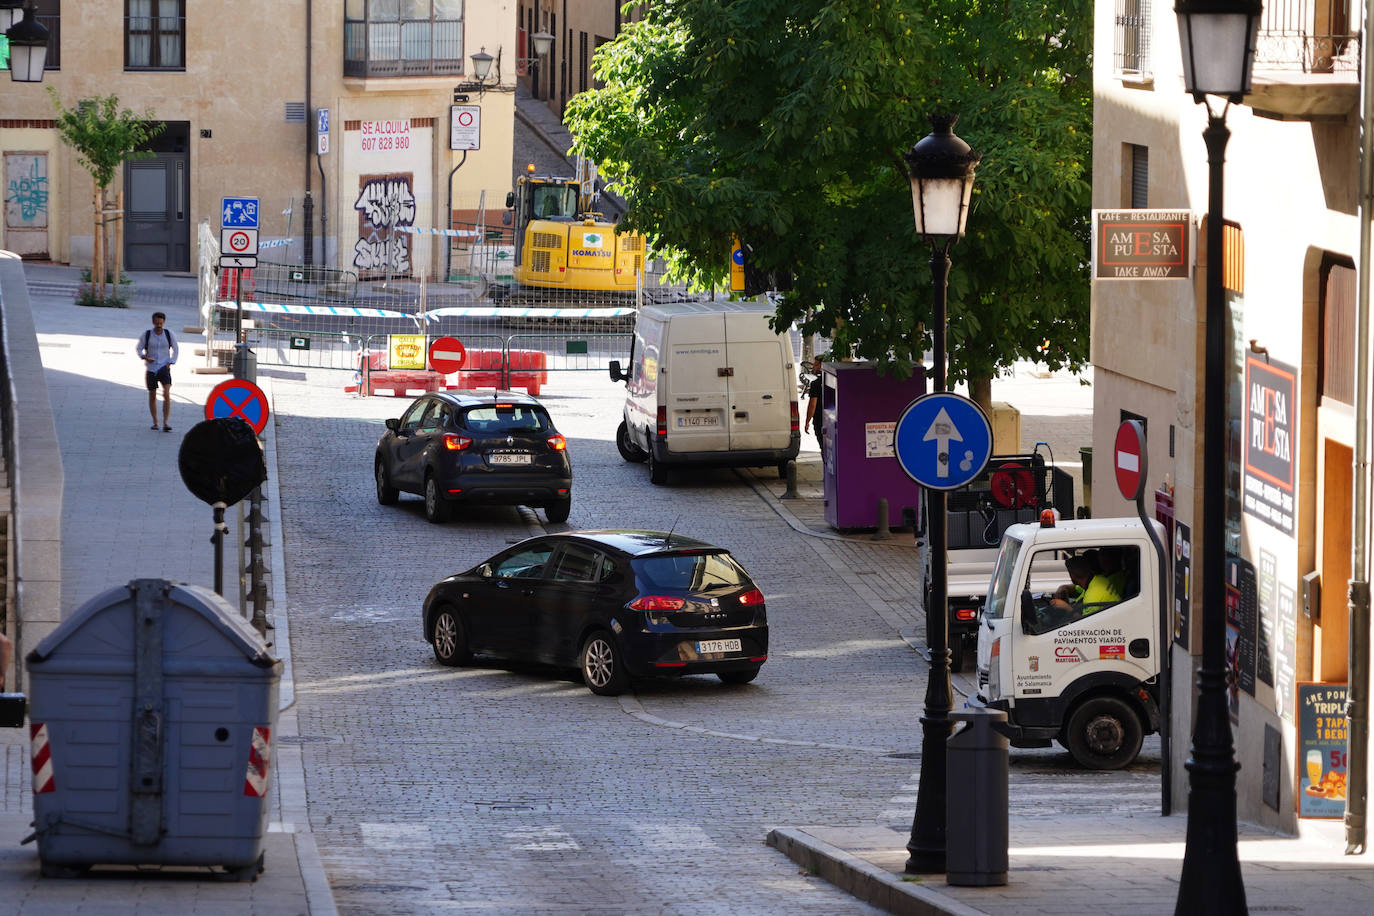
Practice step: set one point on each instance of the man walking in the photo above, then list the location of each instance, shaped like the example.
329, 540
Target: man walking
813, 406
158, 349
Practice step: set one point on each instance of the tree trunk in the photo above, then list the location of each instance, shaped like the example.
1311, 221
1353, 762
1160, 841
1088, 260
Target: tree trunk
118, 239
980, 392
97, 238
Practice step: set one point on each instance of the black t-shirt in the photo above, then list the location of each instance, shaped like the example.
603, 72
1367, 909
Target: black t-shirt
814, 389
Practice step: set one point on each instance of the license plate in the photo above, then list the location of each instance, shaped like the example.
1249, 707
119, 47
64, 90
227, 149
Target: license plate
508, 459
702, 420
707, 646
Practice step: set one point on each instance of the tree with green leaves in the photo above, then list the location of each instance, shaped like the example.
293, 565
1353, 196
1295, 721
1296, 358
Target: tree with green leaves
783, 122
104, 137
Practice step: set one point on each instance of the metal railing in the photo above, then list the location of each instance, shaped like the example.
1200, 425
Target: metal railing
303, 281
408, 47
1311, 36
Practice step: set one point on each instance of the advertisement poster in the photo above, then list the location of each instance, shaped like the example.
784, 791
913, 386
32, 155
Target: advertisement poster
1242, 622
1285, 657
878, 439
1321, 764
1183, 557
1269, 424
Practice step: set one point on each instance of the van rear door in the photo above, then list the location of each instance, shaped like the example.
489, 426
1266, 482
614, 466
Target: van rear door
697, 380
759, 388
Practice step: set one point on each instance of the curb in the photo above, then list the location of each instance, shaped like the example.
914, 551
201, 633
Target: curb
863, 880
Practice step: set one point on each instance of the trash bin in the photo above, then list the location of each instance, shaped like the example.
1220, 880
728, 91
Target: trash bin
976, 761
151, 716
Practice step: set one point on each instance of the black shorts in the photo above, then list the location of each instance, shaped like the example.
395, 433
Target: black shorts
163, 375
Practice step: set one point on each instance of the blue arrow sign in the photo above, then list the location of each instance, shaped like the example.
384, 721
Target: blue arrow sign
239, 213
943, 440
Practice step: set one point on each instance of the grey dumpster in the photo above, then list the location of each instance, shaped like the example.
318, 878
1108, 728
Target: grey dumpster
152, 710
976, 758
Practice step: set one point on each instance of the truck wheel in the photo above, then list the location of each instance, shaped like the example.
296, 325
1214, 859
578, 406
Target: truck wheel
1104, 733
626, 446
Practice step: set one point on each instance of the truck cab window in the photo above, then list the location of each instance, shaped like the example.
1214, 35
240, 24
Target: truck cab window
1091, 581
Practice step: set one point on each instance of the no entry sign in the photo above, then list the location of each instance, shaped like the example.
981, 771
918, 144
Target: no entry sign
240, 398
446, 355
1129, 459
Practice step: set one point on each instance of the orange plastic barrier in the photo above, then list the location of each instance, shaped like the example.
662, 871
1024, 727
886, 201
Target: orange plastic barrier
482, 369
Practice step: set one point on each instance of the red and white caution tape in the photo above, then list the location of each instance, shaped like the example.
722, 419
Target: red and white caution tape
259, 759
42, 759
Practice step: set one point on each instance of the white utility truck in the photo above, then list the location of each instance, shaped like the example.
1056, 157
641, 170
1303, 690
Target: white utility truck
1080, 668
1010, 490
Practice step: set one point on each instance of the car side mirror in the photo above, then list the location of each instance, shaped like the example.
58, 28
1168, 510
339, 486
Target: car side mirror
510, 199
618, 375
485, 571
393, 424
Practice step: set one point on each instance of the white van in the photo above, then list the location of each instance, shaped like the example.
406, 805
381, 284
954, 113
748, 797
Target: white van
709, 383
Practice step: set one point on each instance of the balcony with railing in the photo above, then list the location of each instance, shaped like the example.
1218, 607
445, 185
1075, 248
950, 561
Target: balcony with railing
405, 47
1307, 59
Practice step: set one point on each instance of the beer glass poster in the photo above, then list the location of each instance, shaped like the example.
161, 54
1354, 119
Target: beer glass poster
1322, 747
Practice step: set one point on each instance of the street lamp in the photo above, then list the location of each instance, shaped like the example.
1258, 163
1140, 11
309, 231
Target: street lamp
542, 42
28, 48
1218, 42
941, 167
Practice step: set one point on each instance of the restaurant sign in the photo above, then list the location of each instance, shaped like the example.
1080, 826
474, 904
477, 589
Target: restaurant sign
1141, 244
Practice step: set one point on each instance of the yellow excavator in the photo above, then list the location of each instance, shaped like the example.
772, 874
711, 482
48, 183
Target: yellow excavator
562, 243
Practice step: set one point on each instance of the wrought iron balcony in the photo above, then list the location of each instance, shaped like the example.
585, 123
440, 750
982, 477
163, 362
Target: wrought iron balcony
1309, 36
408, 47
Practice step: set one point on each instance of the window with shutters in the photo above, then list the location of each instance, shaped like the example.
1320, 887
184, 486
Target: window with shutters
403, 37
1336, 370
1138, 176
1131, 41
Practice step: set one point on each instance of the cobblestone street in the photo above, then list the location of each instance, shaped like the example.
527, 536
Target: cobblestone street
445, 787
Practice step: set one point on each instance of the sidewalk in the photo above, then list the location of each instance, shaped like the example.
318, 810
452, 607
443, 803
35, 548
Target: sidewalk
116, 472
1059, 863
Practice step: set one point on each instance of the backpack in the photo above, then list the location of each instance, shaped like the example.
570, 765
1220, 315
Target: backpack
147, 336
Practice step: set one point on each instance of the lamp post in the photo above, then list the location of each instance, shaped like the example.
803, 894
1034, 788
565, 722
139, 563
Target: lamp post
941, 168
28, 47
542, 42
1218, 43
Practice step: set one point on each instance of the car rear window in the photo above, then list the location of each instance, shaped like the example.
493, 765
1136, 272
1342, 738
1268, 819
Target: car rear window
515, 418
690, 571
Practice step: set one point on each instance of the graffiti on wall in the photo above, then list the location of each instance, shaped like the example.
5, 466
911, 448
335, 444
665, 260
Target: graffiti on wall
384, 203
26, 191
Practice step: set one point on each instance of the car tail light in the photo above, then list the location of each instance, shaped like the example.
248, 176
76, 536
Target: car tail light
662, 421
751, 597
657, 603
966, 613
796, 418
557, 443
456, 443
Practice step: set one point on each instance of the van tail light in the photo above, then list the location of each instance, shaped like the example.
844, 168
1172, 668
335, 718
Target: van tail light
751, 597
796, 418
557, 443
657, 603
456, 443
662, 422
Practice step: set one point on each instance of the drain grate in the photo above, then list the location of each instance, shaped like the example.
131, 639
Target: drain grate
522, 806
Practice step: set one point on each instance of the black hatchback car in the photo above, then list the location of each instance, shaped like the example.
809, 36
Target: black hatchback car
483, 447
615, 604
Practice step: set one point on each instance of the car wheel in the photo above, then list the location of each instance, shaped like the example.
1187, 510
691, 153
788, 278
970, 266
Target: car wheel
603, 670
738, 677
658, 474
386, 493
559, 511
436, 507
628, 450
450, 639
1104, 733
